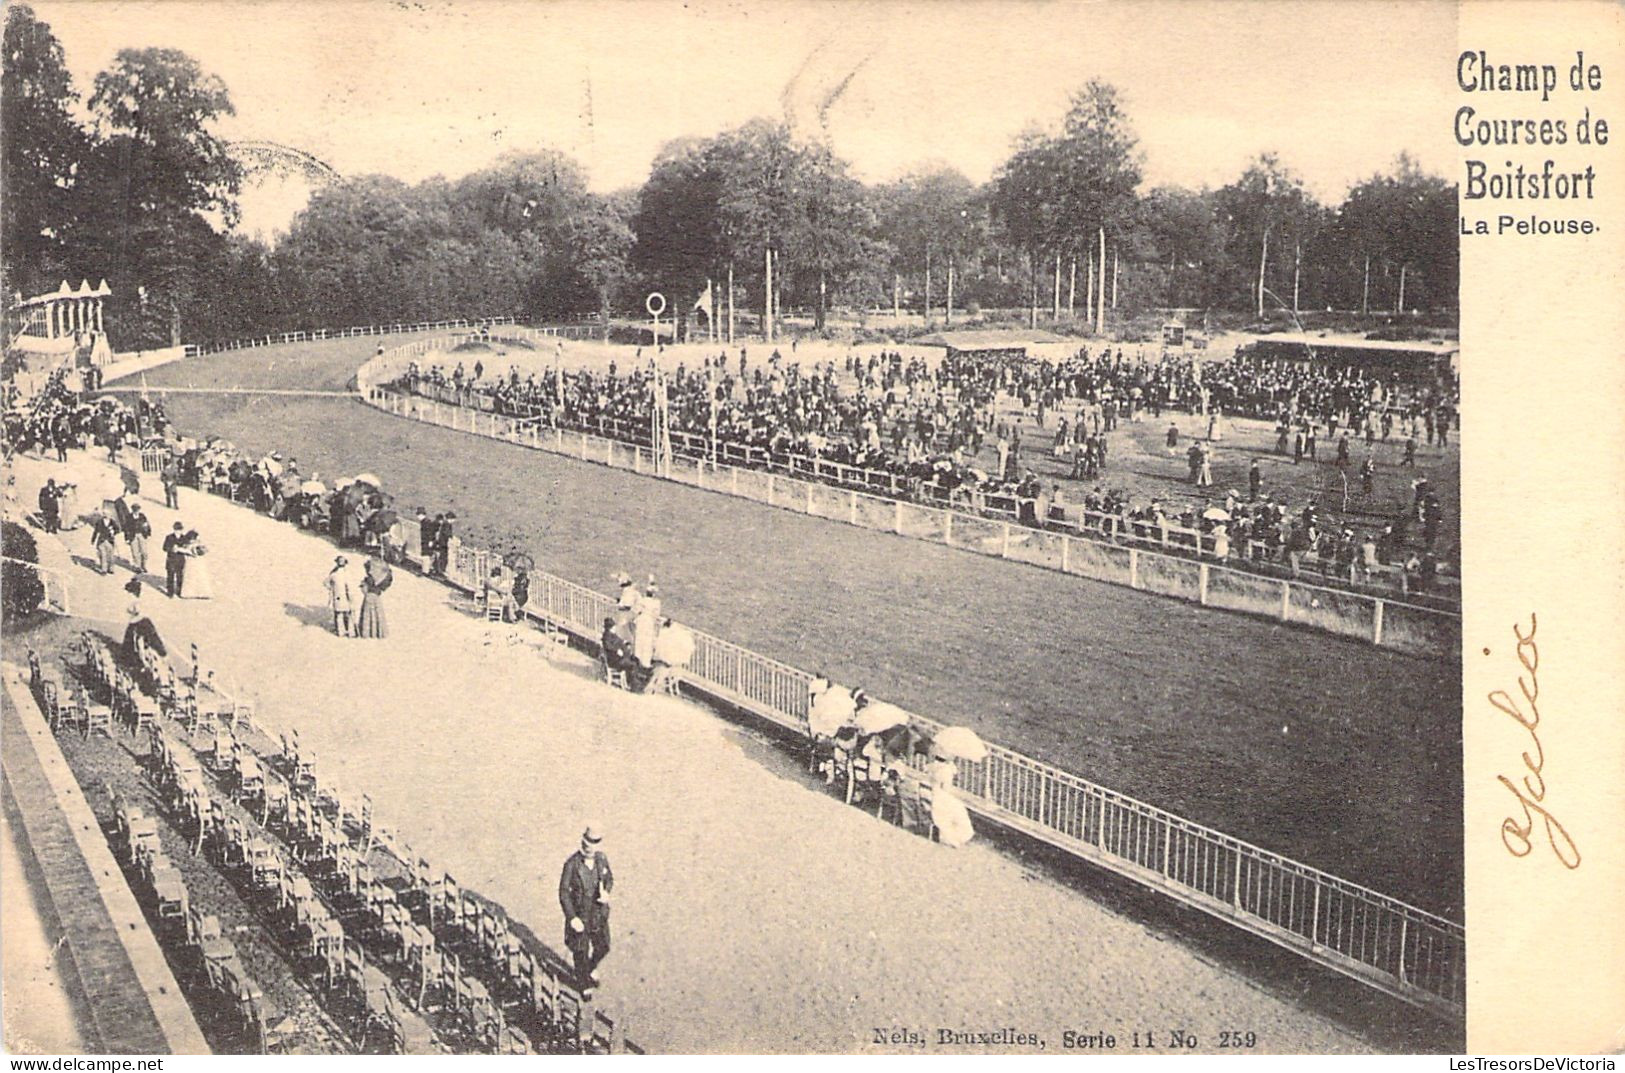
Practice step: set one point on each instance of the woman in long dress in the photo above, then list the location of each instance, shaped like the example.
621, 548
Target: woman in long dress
199, 583
948, 813
377, 579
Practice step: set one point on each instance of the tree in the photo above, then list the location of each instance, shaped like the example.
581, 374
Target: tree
931, 218
158, 181
603, 246
1264, 212
40, 157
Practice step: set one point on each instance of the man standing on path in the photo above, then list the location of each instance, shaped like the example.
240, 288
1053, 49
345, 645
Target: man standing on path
341, 597
584, 890
102, 537
170, 475
136, 531
174, 561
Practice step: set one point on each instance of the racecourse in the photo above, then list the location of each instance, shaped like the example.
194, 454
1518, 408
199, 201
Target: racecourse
753, 911
1325, 750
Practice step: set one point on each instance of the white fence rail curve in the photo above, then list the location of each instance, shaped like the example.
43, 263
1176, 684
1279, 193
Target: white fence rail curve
1385, 943
273, 338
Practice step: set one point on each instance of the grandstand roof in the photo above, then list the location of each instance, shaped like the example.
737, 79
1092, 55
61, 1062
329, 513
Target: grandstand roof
993, 339
1435, 347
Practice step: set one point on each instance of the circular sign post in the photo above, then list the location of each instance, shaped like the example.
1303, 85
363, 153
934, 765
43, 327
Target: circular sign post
656, 305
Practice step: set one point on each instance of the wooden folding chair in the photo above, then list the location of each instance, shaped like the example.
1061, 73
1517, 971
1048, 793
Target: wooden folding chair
144, 712
71, 713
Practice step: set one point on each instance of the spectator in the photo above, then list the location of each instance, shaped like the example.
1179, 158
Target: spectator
341, 597
585, 885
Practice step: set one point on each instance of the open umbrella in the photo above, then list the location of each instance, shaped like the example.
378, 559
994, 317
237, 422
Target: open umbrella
831, 710
1216, 514
343, 483
960, 742
880, 716
367, 478
519, 560
313, 488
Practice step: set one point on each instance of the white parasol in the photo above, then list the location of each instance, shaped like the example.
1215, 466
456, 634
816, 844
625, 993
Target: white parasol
1216, 514
313, 488
830, 711
880, 716
367, 478
343, 483
959, 742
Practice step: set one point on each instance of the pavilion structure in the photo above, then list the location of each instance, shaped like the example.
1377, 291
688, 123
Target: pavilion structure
65, 313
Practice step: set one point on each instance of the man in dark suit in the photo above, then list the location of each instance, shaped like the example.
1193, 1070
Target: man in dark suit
584, 889
137, 529
174, 561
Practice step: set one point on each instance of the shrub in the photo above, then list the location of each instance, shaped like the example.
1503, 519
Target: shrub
21, 591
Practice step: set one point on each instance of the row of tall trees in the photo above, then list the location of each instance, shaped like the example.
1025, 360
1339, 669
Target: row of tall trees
145, 194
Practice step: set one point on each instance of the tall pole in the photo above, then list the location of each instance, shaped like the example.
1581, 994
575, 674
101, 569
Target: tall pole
730, 303
1263, 260
1365, 289
1100, 304
897, 297
767, 296
1089, 293
928, 285
1055, 302
1297, 264
1072, 289
950, 289
1116, 271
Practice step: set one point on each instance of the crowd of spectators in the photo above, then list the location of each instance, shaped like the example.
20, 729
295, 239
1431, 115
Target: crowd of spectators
924, 430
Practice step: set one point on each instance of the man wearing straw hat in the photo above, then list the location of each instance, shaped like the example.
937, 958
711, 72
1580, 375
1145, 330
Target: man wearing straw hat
584, 890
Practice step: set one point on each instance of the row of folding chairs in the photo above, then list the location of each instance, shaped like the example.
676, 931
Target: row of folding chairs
67, 704
218, 967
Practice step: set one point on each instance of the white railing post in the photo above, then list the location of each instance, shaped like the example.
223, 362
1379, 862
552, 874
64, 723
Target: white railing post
770, 489
897, 517
851, 508
1376, 621
948, 527
1066, 554
1004, 542
1201, 583
1286, 598
809, 497
1133, 568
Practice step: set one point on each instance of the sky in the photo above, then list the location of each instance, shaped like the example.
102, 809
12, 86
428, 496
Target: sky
1337, 87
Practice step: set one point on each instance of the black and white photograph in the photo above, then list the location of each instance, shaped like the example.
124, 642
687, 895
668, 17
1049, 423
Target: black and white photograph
866, 528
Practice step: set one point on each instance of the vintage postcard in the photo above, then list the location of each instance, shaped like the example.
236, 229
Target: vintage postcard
867, 528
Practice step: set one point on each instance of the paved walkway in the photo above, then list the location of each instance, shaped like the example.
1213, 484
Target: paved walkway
751, 913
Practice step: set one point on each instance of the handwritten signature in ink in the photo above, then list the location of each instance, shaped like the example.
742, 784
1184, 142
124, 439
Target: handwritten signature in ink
1530, 792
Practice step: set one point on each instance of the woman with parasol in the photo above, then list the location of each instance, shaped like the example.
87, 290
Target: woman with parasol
376, 581
948, 812
199, 582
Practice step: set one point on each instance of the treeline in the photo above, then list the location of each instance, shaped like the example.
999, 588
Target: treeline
146, 195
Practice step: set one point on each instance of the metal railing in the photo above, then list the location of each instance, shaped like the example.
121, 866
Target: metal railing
1142, 560
1383, 942
273, 338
